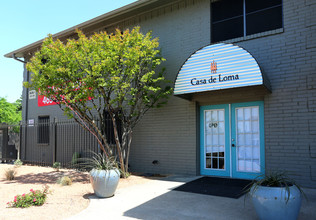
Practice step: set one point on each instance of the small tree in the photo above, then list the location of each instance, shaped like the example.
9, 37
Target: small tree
90, 77
10, 113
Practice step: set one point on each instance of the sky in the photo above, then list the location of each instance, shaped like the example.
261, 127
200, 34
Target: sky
24, 22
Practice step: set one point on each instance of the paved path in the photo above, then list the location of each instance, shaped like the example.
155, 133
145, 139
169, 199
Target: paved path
156, 200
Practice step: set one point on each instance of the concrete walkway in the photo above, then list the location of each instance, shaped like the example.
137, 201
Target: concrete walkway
156, 200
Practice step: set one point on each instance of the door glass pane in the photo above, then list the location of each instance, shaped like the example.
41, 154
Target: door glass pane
221, 140
248, 143
256, 166
214, 142
221, 116
254, 126
240, 114
254, 114
248, 139
208, 163
214, 116
247, 113
240, 126
221, 127
240, 140
241, 152
256, 153
247, 127
207, 116
248, 153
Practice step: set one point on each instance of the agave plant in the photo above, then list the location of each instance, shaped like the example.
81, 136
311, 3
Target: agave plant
99, 161
104, 174
274, 179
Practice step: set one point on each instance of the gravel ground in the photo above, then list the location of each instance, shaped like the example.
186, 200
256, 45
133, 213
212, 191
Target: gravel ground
62, 202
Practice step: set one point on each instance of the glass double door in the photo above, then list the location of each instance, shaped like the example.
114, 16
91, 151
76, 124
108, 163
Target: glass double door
232, 140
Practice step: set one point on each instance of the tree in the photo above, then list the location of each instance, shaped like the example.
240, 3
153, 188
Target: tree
10, 113
90, 77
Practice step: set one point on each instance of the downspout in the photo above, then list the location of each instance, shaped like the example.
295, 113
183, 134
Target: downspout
26, 106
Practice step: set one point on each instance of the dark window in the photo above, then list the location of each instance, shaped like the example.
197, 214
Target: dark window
238, 18
43, 130
109, 130
227, 20
263, 15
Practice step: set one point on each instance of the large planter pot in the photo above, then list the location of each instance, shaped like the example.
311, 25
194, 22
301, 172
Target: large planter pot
273, 202
104, 182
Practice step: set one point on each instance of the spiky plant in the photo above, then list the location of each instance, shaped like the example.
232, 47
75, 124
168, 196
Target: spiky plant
99, 161
274, 179
65, 181
10, 174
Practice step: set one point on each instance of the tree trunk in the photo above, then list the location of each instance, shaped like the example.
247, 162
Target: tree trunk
118, 145
129, 134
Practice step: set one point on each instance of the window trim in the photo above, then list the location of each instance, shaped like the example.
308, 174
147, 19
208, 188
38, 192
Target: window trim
254, 36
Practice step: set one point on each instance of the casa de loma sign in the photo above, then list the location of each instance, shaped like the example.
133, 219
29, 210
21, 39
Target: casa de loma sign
218, 66
214, 79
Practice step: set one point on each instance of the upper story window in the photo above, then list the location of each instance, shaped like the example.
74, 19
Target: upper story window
239, 18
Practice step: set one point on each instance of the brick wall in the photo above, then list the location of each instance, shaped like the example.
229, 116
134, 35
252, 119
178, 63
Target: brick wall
169, 134
287, 56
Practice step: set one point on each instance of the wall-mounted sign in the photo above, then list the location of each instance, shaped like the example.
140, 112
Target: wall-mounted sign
32, 94
30, 122
44, 101
218, 66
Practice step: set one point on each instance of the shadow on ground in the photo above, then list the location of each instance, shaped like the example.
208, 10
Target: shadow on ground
181, 205
48, 177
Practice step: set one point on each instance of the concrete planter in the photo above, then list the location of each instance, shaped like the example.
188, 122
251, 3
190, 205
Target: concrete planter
274, 203
104, 182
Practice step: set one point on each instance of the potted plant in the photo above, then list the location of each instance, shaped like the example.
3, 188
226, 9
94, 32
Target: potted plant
104, 175
276, 196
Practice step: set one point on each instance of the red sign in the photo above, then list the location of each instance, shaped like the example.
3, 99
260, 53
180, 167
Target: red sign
44, 101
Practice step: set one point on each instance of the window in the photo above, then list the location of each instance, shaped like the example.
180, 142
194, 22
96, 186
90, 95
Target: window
109, 130
43, 130
239, 18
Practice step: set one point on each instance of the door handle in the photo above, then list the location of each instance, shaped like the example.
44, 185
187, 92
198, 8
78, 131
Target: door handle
233, 145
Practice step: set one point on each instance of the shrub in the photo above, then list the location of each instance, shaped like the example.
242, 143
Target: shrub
64, 181
18, 163
75, 158
57, 166
125, 174
10, 174
33, 198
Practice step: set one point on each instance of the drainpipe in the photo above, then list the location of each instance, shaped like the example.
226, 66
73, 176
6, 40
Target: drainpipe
26, 109
26, 105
